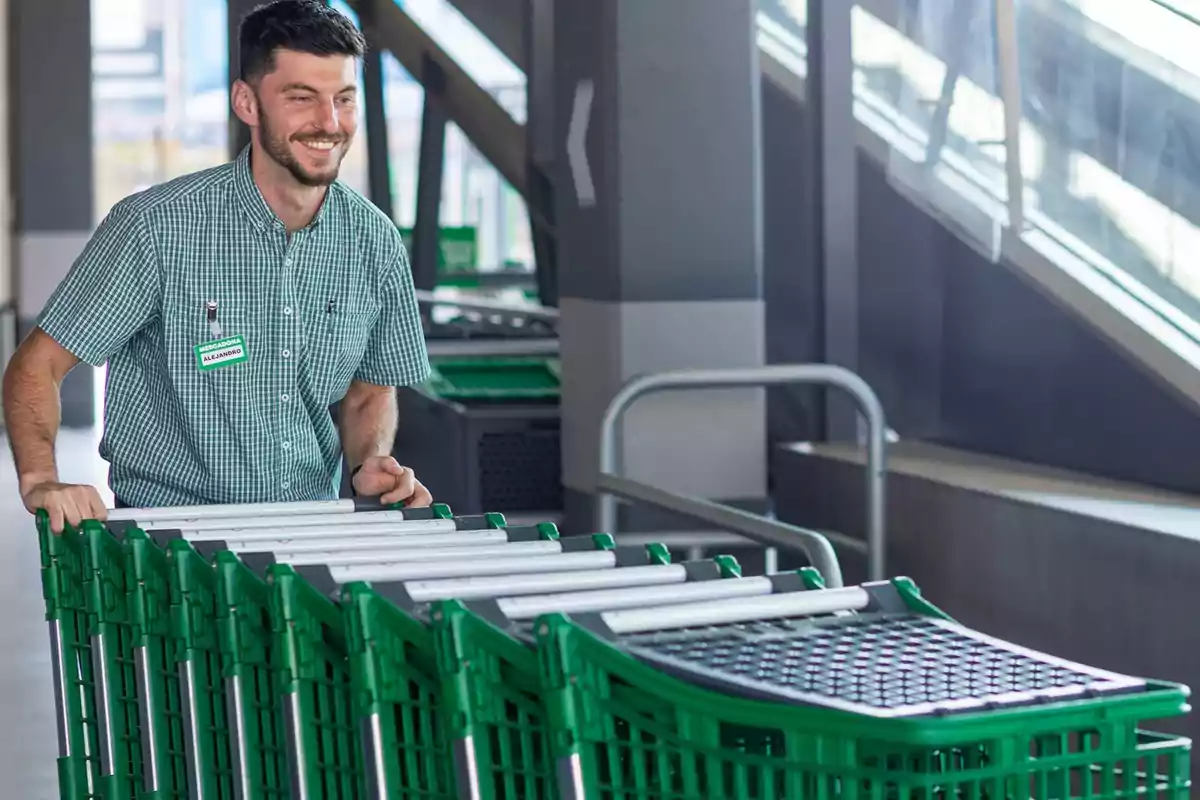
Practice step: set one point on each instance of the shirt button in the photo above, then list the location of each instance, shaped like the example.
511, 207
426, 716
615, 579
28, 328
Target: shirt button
286, 353
287, 445
284, 397
286, 485
287, 309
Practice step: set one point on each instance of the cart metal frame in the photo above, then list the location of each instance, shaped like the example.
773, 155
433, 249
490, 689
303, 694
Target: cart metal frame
611, 485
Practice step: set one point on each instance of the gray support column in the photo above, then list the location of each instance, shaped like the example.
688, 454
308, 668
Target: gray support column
431, 160
833, 174
541, 144
659, 219
50, 96
379, 172
239, 134
8, 330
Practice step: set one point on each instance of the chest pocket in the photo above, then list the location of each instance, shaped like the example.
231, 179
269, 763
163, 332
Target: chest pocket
233, 355
337, 344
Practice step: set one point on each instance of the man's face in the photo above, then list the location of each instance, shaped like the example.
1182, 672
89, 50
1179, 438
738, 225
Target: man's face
307, 114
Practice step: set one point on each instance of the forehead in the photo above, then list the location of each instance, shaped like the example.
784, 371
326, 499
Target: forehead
323, 73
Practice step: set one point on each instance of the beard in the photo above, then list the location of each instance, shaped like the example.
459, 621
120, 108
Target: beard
278, 149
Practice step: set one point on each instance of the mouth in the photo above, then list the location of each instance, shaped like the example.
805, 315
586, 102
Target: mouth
319, 145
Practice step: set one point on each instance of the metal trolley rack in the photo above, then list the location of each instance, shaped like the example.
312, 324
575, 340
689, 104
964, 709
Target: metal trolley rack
611, 484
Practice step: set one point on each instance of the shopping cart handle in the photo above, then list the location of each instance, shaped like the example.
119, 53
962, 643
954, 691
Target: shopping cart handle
375, 504
435, 511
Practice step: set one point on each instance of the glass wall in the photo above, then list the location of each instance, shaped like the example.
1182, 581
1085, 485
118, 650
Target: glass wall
159, 93
473, 193
161, 100
1110, 109
1088, 106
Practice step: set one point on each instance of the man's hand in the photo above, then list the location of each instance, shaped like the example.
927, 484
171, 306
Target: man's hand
66, 503
383, 477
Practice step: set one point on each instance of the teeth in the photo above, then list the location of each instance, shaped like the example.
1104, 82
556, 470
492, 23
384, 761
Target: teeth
320, 145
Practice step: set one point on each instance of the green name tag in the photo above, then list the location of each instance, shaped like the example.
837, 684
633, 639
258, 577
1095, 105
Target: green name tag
221, 353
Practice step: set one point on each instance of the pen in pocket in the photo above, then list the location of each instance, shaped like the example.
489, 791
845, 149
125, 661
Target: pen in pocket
213, 325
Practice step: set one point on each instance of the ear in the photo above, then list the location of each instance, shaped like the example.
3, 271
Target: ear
245, 103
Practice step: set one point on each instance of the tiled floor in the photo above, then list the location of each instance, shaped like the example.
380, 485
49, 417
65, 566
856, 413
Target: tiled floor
28, 741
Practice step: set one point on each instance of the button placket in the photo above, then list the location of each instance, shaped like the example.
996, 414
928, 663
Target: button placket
287, 369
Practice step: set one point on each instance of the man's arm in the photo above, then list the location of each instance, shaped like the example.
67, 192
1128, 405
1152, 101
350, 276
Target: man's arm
110, 292
32, 413
395, 356
368, 427
368, 422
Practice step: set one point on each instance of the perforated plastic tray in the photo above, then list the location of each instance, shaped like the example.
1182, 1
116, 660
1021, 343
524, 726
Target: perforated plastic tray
883, 665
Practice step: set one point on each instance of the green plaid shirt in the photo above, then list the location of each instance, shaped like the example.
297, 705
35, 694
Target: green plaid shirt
332, 304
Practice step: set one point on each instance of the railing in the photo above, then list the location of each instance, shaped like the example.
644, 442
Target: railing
611, 485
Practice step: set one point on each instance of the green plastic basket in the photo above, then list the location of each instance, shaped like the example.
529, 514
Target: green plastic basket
624, 729
251, 675
495, 707
324, 757
110, 627
494, 711
465, 379
401, 676
201, 686
397, 699
64, 559
161, 716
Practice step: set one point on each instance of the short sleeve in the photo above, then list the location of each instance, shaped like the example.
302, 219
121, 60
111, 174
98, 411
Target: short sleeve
110, 292
396, 354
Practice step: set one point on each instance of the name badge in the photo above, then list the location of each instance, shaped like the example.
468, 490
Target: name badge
221, 353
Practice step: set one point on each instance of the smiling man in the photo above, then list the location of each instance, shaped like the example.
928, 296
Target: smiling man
234, 306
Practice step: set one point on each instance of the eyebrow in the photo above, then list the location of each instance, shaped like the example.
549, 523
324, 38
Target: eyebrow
304, 87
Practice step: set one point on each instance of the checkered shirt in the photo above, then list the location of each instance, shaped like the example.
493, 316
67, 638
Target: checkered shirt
332, 303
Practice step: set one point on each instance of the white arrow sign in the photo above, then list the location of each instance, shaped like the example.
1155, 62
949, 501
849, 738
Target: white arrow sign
581, 171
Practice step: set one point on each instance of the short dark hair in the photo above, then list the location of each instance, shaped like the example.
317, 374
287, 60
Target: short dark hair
305, 26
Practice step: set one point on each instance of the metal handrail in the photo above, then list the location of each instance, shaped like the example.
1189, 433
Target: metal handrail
611, 485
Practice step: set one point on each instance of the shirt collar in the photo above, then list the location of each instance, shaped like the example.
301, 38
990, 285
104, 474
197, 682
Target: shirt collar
255, 205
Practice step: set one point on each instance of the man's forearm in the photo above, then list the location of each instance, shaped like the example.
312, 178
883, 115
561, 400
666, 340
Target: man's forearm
32, 414
368, 423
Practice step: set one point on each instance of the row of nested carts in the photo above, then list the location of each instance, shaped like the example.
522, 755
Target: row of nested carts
339, 650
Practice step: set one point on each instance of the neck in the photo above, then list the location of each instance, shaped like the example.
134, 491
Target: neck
294, 203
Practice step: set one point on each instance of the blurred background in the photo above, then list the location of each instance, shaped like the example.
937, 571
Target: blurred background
160, 90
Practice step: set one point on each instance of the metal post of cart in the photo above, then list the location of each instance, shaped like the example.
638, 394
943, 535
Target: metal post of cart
611, 485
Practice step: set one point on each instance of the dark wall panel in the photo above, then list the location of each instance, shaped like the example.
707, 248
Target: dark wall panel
790, 280
1024, 378
52, 115
904, 257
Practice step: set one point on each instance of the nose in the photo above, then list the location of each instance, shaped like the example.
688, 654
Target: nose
328, 119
